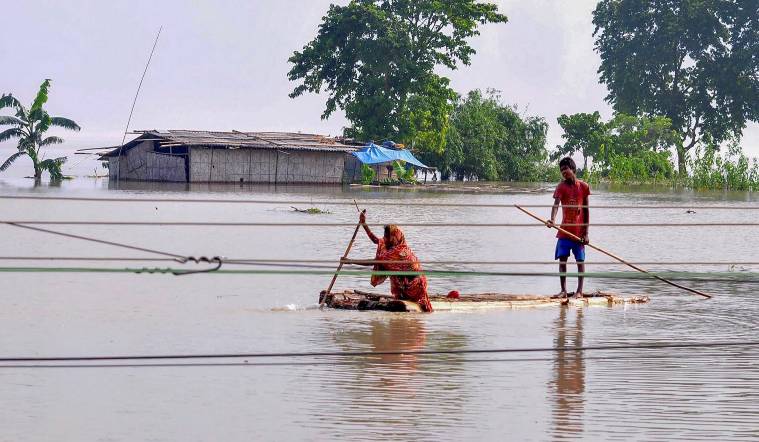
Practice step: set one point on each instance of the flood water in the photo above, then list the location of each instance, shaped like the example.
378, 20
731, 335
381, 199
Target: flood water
626, 394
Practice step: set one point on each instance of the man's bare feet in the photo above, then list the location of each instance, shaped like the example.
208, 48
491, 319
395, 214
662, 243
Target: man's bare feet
561, 295
578, 295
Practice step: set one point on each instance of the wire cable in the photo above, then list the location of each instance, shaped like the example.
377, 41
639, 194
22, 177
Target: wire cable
100, 241
741, 277
266, 261
637, 346
371, 363
363, 203
339, 224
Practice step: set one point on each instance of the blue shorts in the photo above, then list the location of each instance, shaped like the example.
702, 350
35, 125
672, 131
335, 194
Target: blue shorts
564, 246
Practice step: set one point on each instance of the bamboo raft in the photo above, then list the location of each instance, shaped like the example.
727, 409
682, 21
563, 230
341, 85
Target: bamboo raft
361, 300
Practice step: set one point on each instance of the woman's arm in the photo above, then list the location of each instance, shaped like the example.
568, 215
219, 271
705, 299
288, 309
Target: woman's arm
362, 220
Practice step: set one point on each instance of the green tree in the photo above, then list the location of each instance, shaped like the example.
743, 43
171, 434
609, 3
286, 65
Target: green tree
477, 136
425, 120
30, 126
376, 60
693, 61
522, 152
583, 133
630, 134
490, 141
633, 143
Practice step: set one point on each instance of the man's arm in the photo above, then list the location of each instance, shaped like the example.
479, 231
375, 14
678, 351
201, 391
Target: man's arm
586, 218
554, 210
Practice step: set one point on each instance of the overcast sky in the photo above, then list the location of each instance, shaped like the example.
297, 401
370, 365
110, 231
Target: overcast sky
222, 65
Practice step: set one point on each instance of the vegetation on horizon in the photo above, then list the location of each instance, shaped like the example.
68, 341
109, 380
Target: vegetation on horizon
29, 126
491, 141
629, 149
625, 148
682, 78
731, 171
692, 61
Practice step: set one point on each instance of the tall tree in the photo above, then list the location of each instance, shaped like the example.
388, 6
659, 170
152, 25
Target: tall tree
693, 61
376, 59
477, 135
490, 141
583, 133
522, 152
29, 126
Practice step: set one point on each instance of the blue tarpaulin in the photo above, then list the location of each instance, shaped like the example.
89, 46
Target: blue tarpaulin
373, 154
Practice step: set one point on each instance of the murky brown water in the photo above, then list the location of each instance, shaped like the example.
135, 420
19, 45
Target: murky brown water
684, 394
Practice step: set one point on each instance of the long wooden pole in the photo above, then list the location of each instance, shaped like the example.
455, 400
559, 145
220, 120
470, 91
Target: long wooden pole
577, 238
345, 256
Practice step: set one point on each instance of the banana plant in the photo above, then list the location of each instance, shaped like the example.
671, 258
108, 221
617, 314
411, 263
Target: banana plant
367, 174
29, 125
404, 175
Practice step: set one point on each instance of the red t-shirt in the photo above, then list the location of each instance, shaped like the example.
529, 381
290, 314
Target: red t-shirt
575, 194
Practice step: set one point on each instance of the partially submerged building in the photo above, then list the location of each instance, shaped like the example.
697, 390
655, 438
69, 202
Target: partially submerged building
223, 157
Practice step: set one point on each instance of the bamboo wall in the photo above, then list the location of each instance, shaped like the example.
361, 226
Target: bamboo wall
207, 165
142, 164
265, 166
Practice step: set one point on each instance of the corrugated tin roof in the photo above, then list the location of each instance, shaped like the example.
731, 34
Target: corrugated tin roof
237, 140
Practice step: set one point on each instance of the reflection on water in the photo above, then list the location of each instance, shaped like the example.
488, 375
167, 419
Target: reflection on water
568, 384
400, 390
236, 188
393, 334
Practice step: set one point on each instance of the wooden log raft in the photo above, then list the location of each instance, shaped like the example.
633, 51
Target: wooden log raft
361, 300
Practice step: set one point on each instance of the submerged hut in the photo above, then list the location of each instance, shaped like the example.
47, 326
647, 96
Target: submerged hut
224, 157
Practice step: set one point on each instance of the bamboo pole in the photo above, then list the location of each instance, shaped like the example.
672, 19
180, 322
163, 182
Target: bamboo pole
345, 256
577, 238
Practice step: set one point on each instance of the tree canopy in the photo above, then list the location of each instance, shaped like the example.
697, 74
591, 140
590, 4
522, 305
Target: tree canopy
623, 135
490, 141
693, 61
376, 60
583, 133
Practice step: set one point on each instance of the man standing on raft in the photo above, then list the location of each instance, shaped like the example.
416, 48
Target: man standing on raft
573, 194
392, 247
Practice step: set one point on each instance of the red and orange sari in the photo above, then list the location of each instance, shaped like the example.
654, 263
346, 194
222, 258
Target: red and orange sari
407, 288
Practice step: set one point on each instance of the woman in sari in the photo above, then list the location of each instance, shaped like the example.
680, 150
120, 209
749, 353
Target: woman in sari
392, 247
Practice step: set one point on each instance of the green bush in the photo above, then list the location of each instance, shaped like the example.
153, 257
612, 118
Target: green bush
733, 171
367, 174
640, 167
404, 175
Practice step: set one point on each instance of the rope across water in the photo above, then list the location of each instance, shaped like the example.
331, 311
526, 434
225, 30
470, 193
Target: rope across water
298, 265
311, 203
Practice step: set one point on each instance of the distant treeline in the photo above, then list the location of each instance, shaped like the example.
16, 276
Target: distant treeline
682, 75
638, 149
